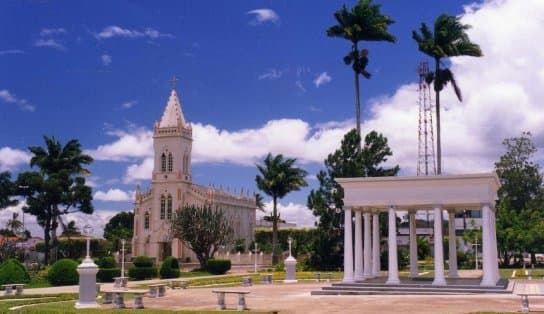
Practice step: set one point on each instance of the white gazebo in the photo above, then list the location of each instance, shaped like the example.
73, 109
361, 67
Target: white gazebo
367, 197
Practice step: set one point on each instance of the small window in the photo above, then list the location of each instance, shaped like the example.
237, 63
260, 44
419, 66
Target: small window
163, 162
170, 162
169, 208
163, 207
146, 220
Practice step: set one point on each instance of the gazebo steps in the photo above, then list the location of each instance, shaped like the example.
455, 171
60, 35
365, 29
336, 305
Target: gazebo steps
394, 292
500, 286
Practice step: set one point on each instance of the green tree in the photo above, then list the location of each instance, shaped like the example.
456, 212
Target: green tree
326, 202
14, 224
277, 178
519, 208
58, 187
7, 190
449, 39
119, 227
70, 229
203, 228
364, 22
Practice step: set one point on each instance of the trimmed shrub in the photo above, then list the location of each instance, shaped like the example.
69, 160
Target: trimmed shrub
12, 271
107, 274
169, 268
218, 266
141, 273
107, 262
143, 261
63, 272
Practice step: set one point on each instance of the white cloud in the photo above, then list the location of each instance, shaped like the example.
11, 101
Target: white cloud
135, 143
106, 59
263, 16
300, 86
137, 172
271, 74
117, 31
113, 195
52, 31
128, 104
50, 43
292, 212
322, 79
10, 98
11, 52
11, 158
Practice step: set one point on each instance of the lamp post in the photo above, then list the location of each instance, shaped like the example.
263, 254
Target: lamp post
256, 248
87, 231
122, 258
475, 244
289, 240
290, 265
87, 276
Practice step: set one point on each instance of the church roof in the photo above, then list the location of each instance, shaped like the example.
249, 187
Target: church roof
172, 116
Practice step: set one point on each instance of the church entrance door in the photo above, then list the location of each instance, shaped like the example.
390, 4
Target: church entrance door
166, 250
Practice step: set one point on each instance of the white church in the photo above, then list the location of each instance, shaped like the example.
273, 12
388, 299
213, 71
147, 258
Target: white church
172, 188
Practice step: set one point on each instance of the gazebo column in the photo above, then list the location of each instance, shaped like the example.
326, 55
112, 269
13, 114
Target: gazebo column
348, 247
358, 246
452, 241
368, 248
392, 270
413, 244
376, 244
493, 221
439, 278
489, 268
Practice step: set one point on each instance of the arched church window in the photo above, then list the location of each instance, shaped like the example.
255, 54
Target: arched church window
163, 206
170, 162
146, 220
169, 208
163, 162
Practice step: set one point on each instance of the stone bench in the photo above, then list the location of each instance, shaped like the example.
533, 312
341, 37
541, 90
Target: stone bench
18, 287
174, 283
221, 299
526, 290
266, 279
318, 277
247, 281
117, 297
157, 290
120, 282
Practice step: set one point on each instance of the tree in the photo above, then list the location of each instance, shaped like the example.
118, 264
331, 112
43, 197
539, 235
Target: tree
7, 190
58, 187
364, 22
14, 224
203, 228
277, 178
326, 202
448, 40
521, 199
119, 227
70, 229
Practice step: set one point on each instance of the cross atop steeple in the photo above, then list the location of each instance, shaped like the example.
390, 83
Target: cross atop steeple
174, 81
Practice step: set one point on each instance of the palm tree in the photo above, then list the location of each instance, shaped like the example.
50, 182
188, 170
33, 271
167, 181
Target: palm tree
7, 190
448, 40
364, 22
14, 224
277, 178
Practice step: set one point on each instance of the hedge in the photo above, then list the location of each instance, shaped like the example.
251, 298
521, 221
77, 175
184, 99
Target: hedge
63, 272
141, 273
143, 261
218, 266
107, 262
12, 271
169, 268
107, 274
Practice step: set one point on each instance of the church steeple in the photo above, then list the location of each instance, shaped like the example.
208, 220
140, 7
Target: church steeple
173, 115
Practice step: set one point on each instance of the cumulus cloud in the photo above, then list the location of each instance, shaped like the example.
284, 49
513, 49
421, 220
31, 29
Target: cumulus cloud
138, 172
49, 43
322, 79
292, 212
113, 195
271, 74
11, 52
11, 158
134, 143
264, 15
117, 31
10, 98
106, 59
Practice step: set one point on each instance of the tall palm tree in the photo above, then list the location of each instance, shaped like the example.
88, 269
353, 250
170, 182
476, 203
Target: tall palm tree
364, 22
448, 40
14, 224
278, 177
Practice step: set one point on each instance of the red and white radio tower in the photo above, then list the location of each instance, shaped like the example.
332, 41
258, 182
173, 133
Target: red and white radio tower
426, 164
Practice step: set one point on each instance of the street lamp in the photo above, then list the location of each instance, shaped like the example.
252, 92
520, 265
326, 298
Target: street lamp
256, 248
122, 258
289, 240
88, 230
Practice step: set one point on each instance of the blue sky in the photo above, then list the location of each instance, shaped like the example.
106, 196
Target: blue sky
254, 76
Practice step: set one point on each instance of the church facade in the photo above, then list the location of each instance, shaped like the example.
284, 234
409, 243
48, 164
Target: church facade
172, 188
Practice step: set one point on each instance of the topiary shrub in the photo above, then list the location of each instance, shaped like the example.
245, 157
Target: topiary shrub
63, 272
218, 266
169, 268
143, 261
141, 273
12, 271
107, 262
107, 274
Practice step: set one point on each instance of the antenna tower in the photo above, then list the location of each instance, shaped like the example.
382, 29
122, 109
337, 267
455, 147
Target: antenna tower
426, 164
